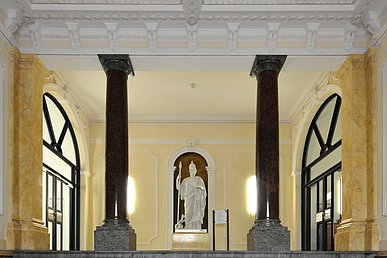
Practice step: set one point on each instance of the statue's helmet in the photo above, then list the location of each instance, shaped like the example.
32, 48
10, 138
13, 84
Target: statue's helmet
192, 166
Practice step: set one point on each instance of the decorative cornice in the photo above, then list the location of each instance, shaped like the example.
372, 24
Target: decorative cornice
33, 25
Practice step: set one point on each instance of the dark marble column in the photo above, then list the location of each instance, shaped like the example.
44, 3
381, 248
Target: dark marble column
116, 232
267, 234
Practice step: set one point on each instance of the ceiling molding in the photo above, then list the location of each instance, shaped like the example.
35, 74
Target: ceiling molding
184, 26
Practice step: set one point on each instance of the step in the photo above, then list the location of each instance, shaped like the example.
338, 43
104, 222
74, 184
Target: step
187, 254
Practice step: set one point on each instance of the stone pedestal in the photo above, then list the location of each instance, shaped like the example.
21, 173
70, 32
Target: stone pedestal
114, 236
268, 235
191, 241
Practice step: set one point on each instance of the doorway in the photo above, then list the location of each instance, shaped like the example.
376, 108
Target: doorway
321, 178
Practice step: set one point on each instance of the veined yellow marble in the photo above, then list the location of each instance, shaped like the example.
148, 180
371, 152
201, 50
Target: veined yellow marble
359, 229
25, 230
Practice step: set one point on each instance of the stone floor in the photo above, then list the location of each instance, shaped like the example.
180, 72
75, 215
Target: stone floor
189, 254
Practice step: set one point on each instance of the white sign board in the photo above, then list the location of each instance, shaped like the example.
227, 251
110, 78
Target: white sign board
220, 217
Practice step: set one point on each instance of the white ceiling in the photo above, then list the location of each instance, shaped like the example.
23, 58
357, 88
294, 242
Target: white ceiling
174, 43
162, 90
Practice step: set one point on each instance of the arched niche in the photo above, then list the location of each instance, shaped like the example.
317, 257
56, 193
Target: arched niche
211, 170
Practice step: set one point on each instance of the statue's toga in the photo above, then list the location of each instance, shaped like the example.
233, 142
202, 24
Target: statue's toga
193, 192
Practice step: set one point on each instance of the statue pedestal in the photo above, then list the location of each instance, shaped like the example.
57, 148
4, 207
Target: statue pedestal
190, 241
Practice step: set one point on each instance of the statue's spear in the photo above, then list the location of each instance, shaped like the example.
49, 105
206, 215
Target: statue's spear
178, 224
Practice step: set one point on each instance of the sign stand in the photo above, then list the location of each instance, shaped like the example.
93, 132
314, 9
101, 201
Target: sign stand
220, 217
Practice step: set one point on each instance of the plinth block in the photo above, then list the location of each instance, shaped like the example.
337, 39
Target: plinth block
114, 237
190, 241
268, 235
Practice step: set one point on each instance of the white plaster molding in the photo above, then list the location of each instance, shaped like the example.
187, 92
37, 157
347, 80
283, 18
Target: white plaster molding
272, 35
232, 35
157, 196
80, 121
73, 30
191, 143
13, 21
112, 31
151, 28
326, 85
35, 35
349, 36
192, 32
372, 22
384, 74
311, 35
211, 191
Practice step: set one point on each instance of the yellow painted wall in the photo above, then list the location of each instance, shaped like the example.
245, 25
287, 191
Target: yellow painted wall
232, 148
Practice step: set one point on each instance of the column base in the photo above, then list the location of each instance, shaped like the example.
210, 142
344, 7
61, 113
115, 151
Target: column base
27, 235
357, 236
268, 235
114, 235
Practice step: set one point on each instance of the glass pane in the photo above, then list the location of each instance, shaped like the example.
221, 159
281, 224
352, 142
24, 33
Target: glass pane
50, 192
44, 196
329, 236
329, 192
66, 217
50, 232
46, 134
68, 148
313, 212
320, 196
324, 120
329, 161
320, 238
56, 116
338, 130
53, 161
58, 237
314, 149
338, 199
59, 195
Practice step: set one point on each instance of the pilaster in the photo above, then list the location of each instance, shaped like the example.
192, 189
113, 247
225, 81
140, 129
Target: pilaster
26, 230
359, 229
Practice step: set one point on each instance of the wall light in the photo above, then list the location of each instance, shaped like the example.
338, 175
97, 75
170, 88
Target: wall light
131, 196
251, 195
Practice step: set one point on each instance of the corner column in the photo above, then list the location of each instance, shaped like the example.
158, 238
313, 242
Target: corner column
267, 233
116, 232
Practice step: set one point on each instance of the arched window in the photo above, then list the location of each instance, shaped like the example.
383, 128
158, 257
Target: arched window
61, 177
321, 177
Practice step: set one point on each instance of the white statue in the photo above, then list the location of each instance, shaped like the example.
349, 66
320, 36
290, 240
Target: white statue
193, 191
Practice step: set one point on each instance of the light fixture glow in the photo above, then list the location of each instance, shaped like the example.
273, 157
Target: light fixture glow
251, 195
339, 188
131, 197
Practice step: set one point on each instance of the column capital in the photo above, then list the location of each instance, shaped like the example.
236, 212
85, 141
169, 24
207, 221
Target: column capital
116, 62
267, 62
